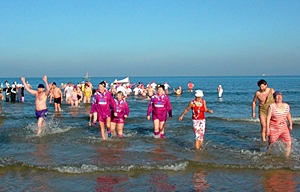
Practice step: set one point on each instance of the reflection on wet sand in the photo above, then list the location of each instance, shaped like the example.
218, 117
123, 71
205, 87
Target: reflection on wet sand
279, 180
199, 180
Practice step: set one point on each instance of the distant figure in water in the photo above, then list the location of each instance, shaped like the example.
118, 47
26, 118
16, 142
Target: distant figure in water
178, 91
190, 86
1, 99
40, 101
220, 91
277, 127
198, 106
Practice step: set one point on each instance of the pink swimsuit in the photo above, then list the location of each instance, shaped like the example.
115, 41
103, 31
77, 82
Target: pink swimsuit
278, 125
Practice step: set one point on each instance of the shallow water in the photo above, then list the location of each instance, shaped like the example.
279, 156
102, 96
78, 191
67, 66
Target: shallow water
69, 153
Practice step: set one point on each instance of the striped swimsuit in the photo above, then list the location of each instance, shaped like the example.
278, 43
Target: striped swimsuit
278, 125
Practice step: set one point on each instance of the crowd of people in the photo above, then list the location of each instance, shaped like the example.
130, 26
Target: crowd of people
110, 109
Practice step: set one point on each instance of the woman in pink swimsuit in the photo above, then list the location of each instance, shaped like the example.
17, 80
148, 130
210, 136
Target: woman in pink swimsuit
277, 128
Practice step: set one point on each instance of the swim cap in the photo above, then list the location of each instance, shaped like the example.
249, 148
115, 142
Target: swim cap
41, 86
276, 93
161, 85
102, 83
199, 93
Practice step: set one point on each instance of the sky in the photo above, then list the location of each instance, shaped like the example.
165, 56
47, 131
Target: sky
120, 38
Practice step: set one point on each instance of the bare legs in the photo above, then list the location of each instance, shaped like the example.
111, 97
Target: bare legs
159, 127
102, 127
263, 124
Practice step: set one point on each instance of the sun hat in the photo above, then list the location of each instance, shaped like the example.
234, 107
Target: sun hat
199, 93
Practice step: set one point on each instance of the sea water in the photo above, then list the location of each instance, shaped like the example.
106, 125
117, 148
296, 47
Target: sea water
71, 156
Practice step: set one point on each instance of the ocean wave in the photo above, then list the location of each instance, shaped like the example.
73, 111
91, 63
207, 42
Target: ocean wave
90, 168
183, 165
254, 120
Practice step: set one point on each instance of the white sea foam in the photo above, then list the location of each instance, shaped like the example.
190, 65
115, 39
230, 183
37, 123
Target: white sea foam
87, 168
51, 126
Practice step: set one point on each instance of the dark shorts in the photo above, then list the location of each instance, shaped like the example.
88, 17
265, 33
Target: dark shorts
57, 100
41, 113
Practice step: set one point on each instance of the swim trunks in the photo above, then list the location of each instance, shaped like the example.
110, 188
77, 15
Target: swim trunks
41, 113
199, 129
57, 100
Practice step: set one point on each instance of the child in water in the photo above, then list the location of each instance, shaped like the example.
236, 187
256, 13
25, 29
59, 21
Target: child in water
120, 114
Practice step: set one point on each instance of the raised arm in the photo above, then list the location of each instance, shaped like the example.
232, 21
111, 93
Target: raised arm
45, 79
31, 91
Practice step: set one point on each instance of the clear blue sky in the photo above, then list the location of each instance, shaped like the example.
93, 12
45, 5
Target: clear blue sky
149, 38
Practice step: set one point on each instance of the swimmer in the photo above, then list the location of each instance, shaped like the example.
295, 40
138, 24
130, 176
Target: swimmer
190, 86
167, 87
159, 106
265, 97
87, 93
40, 101
1, 99
150, 91
220, 91
93, 110
198, 106
67, 92
121, 113
57, 96
277, 117
104, 104
178, 91
74, 98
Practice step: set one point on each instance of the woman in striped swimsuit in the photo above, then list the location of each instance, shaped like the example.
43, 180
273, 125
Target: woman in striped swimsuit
277, 128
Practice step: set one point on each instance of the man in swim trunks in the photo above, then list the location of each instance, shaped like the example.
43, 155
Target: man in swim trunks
57, 95
40, 101
265, 97
150, 91
159, 106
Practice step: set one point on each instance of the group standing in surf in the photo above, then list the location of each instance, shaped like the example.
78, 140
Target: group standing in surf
109, 107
